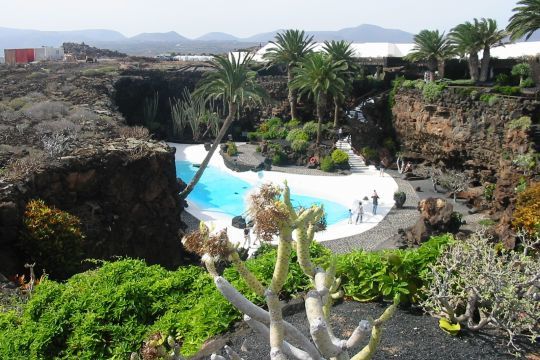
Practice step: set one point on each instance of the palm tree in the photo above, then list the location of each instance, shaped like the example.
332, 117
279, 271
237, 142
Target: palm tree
290, 47
319, 76
432, 47
233, 83
526, 19
467, 43
489, 36
342, 51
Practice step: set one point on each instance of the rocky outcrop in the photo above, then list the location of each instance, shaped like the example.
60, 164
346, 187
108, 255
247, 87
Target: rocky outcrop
125, 194
461, 131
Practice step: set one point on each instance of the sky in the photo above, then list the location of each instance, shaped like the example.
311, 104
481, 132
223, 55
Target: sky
243, 18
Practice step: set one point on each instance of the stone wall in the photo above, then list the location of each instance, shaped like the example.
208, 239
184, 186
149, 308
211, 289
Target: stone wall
126, 195
468, 134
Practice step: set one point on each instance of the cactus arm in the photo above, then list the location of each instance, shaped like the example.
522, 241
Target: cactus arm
288, 349
277, 333
253, 283
247, 307
363, 328
369, 350
287, 201
321, 333
210, 265
282, 262
302, 250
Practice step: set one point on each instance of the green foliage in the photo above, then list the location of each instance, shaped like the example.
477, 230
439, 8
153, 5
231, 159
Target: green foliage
369, 153
486, 222
507, 90
368, 276
521, 186
503, 79
340, 157
527, 83
400, 197
474, 95
461, 82
433, 91
389, 144
489, 189
232, 150
297, 134
311, 129
490, 99
299, 145
327, 164
279, 157
253, 136
272, 129
522, 123
53, 237
293, 123
522, 70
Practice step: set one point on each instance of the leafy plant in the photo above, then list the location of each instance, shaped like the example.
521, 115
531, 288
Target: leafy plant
340, 157
311, 129
53, 238
232, 150
299, 145
292, 124
400, 197
527, 83
297, 134
432, 91
369, 153
327, 164
489, 189
507, 90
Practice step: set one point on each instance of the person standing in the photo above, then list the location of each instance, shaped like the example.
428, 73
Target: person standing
340, 133
247, 238
375, 198
359, 212
381, 168
350, 216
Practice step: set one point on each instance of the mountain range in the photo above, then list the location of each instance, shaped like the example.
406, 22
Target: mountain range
213, 42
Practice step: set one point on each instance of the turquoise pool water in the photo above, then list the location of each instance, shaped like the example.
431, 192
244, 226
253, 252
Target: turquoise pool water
221, 192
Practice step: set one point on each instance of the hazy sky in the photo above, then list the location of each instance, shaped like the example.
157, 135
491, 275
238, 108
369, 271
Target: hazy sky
243, 18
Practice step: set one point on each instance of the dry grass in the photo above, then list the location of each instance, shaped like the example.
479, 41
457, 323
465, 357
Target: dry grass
136, 132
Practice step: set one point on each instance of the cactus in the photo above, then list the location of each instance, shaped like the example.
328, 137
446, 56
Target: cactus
276, 217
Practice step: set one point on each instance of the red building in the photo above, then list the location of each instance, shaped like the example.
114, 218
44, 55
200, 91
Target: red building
19, 56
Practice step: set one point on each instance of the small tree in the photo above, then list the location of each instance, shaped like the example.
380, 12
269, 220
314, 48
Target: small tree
274, 215
523, 70
453, 181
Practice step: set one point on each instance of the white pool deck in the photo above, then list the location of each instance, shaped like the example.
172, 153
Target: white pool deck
344, 190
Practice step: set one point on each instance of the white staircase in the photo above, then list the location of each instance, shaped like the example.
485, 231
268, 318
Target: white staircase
356, 162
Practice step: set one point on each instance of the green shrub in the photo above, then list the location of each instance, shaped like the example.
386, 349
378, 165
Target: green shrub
461, 82
527, 83
293, 123
433, 91
489, 190
253, 136
368, 276
486, 222
503, 80
339, 157
232, 150
490, 99
522, 123
297, 134
106, 313
474, 95
369, 153
53, 238
400, 197
389, 144
507, 90
408, 84
327, 164
299, 145
279, 158
311, 129
274, 133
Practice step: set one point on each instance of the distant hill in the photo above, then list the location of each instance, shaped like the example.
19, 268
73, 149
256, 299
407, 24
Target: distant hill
217, 36
18, 38
171, 36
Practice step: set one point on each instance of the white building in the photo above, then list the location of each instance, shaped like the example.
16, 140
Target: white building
48, 53
193, 58
2, 60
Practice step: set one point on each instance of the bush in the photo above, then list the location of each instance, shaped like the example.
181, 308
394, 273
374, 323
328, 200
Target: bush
503, 80
293, 123
527, 213
311, 129
489, 190
522, 123
52, 238
297, 134
232, 150
368, 276
507, 90
299, 145
486, 222
527, 83
389, 144
490, 99
340, 157
433, 91
279, 158
400, 197
253, 136
327, 164
474, 285
46, 110
370, 154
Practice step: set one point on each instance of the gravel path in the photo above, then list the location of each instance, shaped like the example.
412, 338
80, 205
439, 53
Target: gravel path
407, 336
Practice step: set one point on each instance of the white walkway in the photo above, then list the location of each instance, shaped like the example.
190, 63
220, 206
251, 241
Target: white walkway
344, 190
356, 162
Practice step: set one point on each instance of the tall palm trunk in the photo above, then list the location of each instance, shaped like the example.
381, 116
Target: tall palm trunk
440, 65
321, 103
292, 94
336, 112
473, 66
486, 57
228, 121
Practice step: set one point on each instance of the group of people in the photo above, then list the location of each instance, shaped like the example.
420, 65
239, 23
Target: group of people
360, 208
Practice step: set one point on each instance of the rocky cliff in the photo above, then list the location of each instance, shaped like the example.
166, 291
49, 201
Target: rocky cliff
482, 138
